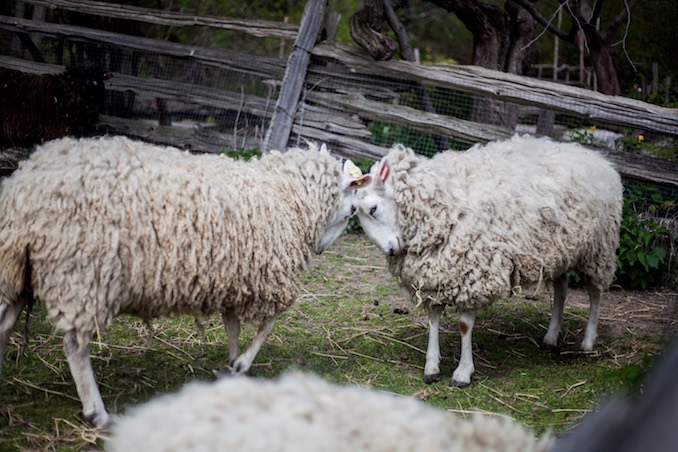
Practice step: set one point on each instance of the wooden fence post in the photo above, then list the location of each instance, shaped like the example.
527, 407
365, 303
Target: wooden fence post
295, 75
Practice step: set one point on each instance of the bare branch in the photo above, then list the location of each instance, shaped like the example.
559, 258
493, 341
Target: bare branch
622, 17
543, 21
399, 30
597, 8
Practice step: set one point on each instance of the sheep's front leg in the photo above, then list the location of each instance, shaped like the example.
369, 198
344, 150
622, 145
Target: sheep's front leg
462, 374
592, 324
83, 375
232, 325
243, 362
432, 369
550, 341
9, 313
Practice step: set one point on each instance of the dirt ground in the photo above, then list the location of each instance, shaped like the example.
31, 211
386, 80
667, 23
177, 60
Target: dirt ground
648, 313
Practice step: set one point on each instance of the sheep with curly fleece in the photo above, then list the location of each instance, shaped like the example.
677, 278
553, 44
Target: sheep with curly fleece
302, 412
463, 229
94, 228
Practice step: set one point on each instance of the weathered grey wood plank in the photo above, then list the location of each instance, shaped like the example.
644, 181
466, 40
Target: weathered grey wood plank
258, 28
295, 76
249, 64
412, 118
579, 102
345, 146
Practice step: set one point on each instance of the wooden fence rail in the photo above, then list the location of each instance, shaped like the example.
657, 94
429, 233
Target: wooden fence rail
344, 91
259, 28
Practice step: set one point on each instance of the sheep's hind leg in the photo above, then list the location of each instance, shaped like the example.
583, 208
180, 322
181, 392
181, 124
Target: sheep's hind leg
432, 369
83, 375
592, 324
232, 326
243, 362
462, 374
550, 341
9, 313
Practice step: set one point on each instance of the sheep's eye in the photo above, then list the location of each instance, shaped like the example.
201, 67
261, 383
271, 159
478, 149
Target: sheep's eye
372, 210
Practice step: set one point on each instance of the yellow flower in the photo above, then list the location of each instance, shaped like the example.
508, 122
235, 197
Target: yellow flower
592, 129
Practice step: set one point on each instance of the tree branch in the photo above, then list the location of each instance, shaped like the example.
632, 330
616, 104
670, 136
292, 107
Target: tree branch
543, 21
621, 18
597, 8
399, 30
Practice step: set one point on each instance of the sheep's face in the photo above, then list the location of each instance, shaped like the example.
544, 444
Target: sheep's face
378, 211
351, 181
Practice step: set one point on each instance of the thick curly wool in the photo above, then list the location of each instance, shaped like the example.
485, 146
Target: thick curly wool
501, 217
108, 226
302, 412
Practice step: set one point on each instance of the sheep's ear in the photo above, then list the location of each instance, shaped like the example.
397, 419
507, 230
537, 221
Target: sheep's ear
355, 176
359, 183
351, 169
323, 148
384, 171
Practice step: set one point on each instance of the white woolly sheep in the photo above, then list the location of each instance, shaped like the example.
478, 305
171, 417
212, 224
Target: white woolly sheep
464, 229
94, 228
301, 412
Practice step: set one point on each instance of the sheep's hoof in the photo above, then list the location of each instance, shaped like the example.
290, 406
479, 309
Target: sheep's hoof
550, 348
227, 371
459, 384
99, 420
235, 368
428, 379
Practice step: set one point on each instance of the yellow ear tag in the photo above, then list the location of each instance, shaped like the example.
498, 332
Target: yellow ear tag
355, 172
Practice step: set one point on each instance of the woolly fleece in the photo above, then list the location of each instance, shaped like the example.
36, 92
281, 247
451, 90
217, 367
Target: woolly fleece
501, 217
110, 225
302, 412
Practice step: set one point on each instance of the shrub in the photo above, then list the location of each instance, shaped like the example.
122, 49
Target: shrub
641, 257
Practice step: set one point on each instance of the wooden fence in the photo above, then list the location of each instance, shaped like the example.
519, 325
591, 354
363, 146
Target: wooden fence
326, 92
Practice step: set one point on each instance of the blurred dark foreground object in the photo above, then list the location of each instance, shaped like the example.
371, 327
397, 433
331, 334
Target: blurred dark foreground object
646, 424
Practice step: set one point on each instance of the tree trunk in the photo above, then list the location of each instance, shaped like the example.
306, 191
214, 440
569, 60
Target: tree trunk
602, 62
499, 42
586, 17
499, 38
365, 26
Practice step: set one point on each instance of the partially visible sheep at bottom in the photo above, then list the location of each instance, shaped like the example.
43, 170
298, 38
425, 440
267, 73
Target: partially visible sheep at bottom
303, 412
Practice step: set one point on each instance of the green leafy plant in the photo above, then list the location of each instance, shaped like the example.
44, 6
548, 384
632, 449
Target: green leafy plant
641, 257
242, 154
638, 144
587, 137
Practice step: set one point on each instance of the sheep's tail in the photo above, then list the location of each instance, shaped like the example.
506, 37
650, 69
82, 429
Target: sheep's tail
15, 294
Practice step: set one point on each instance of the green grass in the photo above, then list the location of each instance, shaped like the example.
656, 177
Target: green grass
350, 325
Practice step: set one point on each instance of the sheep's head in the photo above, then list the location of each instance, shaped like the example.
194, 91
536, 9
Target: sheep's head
378, 211
350, 182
